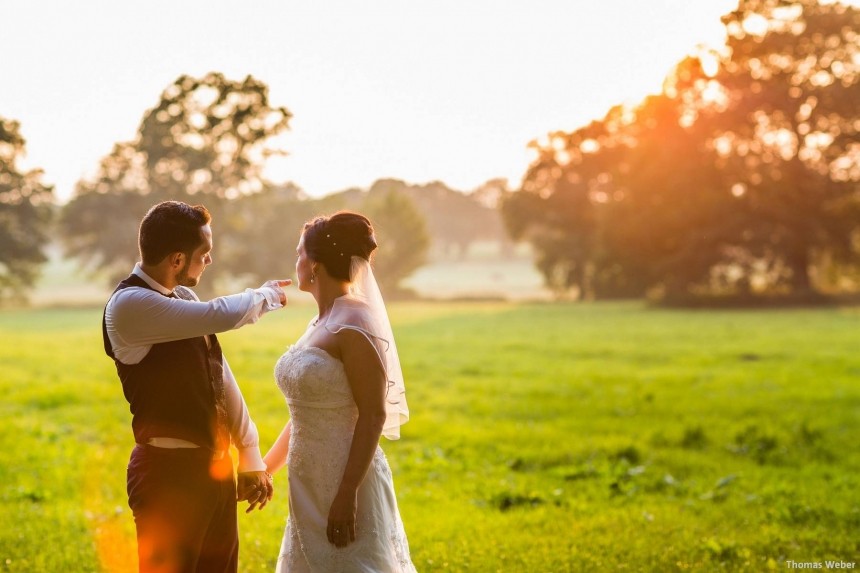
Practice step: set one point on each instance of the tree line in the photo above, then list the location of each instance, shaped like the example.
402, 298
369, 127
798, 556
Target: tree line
740, 177
206, 142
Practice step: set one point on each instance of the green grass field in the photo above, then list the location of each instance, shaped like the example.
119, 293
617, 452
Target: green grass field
590, 437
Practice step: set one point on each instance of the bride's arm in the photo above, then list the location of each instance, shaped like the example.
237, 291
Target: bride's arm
367, 381
276, 457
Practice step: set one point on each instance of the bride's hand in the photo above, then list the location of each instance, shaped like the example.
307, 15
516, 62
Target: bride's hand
341, 519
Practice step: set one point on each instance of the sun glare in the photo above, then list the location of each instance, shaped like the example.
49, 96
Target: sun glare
710, 63
714, 94
755, 25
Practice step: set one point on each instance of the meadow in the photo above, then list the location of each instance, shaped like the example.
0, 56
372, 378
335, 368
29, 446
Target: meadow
544, 437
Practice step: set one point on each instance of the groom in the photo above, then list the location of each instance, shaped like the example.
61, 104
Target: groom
186, 406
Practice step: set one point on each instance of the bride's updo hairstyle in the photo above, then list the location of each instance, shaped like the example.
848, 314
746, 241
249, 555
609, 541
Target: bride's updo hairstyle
334, 240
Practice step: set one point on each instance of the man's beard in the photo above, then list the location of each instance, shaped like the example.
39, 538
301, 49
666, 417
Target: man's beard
183, 279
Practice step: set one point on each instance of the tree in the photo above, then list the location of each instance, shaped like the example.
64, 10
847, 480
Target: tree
454, 220
668, 213
25, 213
490, 195
563, 205
205, 141
403, 240
264, 231
789, 132
739, 175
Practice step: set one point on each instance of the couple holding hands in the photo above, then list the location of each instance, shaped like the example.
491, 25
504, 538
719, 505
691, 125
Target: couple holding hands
342, 382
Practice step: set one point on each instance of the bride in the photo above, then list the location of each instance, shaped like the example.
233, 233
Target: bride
344, 388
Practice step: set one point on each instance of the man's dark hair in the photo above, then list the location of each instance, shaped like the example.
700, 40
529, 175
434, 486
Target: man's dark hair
171, 227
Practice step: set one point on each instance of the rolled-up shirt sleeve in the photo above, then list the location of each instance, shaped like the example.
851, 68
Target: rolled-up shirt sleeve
243, 431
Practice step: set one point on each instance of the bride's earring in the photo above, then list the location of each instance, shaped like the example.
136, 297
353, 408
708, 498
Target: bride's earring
313, 277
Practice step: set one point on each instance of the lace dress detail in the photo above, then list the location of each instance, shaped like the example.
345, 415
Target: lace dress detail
323, 417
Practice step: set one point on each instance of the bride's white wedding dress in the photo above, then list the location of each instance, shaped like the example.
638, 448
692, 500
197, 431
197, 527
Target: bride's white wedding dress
323, 415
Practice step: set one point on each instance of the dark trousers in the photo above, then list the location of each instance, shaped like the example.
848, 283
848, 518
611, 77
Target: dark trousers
184, 506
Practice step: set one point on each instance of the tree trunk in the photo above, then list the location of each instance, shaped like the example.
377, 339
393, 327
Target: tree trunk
798, 261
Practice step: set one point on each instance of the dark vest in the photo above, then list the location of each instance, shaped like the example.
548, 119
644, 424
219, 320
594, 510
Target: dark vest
177, 390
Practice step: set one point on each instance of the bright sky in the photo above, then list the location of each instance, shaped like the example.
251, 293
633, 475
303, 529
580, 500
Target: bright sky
419, 90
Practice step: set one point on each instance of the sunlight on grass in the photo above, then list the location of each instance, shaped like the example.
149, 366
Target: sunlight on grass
543, 437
